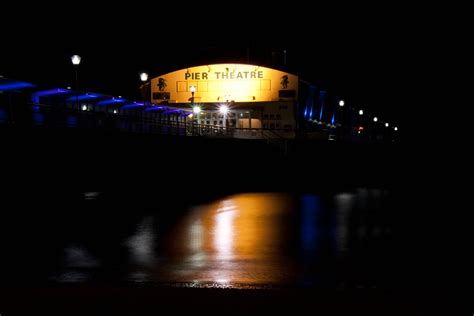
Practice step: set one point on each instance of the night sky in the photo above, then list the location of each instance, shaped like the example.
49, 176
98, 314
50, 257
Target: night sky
361, 59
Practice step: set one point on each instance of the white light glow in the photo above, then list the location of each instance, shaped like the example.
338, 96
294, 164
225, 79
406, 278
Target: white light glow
224, 109
395, 128
143, 76
196, 109
375, 119
361, 112
386, 125
76, 59
192, 89
224, 230
115, 111
84, 107
341, 103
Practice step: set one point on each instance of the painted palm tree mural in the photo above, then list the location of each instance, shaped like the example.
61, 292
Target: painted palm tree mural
162, 84
284, 81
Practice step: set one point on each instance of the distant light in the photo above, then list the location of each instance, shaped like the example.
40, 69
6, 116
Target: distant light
361, 128
115, 111
386, 124
69, 88
375, 119
341, 103
84, 107
395, 128
192, 89
358, 132
361, 112
76, 59
143, 76
120, 96
196, 109
224, 109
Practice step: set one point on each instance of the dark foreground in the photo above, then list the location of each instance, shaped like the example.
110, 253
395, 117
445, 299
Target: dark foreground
126, 300
44, 212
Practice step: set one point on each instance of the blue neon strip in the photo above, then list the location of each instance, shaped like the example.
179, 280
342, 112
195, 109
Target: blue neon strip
50, 92
112, 101
15, 85
86, 96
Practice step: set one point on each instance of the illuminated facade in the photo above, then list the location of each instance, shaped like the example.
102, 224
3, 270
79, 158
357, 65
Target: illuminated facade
256, 97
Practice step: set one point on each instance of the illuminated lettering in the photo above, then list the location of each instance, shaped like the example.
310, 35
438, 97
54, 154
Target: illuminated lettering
224, 75
196, 76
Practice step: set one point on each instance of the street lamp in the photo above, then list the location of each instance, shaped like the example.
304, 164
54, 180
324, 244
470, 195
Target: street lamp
224, 109
341, 103
76, 60
375, 119
361, 112
386, 125
144, 79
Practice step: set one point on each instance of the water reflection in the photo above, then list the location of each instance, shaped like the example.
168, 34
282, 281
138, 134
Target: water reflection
261, 239
141, 244
236, 240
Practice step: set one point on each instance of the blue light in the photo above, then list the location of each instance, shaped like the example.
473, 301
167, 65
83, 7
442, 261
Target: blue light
86, 96
155, 108
111, 101
50, 92
35, 97
309, 221
133, 105
333, 116
322, 94
14, 85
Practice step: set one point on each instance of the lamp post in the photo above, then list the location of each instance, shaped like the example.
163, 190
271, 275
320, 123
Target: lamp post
196, 110
224, 109
76, 60
144, 79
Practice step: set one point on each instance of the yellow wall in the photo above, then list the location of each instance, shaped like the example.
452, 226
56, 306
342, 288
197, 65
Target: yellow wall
223, 82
